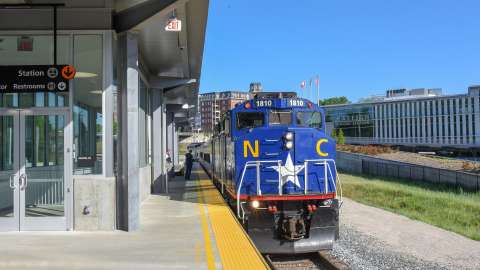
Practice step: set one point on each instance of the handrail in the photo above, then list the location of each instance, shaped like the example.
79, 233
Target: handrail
257, 164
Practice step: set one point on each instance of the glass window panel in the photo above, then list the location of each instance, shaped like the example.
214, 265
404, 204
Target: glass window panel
309, 119
87, 118
6, 165
280, 117
44, 195
249, 120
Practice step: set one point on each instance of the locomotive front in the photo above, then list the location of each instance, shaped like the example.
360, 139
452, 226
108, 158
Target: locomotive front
285, 179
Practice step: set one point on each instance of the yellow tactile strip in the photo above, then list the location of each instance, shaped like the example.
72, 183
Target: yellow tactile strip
206, 234
235, 248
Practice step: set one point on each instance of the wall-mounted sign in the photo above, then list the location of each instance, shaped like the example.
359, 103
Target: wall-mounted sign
173, 25
25, 44
28, 79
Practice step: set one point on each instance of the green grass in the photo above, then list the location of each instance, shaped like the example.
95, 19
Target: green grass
445, 207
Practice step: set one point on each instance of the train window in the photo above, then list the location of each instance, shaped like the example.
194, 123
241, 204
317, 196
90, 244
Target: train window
280, 118
249, 120
309, 119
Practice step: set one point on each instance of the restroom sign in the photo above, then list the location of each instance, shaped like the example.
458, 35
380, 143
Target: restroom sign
35, 78
173, 25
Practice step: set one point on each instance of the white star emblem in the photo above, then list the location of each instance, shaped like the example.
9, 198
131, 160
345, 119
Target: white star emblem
288, 172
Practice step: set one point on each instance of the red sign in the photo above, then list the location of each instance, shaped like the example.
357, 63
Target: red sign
68, 72
173, 25
25, 44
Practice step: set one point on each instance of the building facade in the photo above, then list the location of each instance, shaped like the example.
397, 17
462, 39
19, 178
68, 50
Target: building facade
417, 117
214, 105
86, 158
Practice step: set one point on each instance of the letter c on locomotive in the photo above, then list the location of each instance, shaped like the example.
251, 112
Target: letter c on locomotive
248, 147
319, 148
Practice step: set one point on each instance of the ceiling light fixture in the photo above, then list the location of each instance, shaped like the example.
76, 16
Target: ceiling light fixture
81, 74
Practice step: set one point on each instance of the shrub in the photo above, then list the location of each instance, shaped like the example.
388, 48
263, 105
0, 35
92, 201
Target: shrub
341, 137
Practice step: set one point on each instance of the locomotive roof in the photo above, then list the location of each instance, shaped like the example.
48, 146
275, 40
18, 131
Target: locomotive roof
275, 95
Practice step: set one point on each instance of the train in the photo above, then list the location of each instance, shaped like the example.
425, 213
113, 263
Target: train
274, 164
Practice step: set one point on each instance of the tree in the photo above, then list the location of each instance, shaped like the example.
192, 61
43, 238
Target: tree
341, 137
334, 134
334, 100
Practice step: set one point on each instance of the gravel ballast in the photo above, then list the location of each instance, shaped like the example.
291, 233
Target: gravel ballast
361, 252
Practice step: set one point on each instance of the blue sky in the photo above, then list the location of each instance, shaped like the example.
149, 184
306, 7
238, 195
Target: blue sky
358, 48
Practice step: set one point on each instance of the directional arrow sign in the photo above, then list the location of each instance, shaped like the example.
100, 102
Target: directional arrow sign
68, 72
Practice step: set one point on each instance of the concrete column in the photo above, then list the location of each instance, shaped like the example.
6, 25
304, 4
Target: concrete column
434, 119
385, 122
440, 122
463, 116
380, 120
390, 121
408, 116
158, 144
404, 122
445, 121
423, 124
128, 203
428, 123
476, 112
418, 124
394, 121
470, 121
171, 141
457, 117
375, 121
452, 122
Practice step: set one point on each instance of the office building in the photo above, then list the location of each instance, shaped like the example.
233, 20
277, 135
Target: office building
418, 118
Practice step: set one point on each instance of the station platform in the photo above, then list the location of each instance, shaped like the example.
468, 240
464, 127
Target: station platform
191, 228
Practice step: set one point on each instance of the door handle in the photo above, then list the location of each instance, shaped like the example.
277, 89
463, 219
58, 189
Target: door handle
23, 181
26, 181
12, 181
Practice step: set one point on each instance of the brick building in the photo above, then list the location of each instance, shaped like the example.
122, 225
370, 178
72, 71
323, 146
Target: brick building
214, 105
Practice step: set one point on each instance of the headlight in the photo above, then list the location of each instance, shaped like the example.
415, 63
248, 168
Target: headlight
289, 136
327, 202
289, 145
255, 204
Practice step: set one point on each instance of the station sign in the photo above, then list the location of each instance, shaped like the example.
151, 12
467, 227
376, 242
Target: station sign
35, 78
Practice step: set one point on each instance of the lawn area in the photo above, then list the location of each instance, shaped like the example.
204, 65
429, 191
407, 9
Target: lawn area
444, 207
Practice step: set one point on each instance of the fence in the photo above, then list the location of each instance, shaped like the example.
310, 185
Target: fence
362, 164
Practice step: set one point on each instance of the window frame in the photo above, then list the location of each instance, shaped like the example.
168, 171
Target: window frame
280, 112
252, 112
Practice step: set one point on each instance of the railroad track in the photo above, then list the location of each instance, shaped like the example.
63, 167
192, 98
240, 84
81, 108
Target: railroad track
321, 260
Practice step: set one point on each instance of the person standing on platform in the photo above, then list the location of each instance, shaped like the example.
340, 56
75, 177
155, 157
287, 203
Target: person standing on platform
188, 164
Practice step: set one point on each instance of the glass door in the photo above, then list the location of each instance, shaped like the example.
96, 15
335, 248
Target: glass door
35, 179
43, 171
9, 195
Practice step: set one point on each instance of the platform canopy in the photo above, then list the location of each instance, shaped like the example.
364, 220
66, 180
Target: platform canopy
171, 61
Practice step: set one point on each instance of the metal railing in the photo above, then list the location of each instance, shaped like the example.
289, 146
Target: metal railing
257, 164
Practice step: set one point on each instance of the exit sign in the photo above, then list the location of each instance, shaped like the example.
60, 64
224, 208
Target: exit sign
173, 25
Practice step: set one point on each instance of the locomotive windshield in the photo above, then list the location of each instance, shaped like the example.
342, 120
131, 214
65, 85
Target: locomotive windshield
280, 118
249, 120
312, 119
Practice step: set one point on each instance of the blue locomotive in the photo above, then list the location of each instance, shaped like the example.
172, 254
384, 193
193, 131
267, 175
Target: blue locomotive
272, 160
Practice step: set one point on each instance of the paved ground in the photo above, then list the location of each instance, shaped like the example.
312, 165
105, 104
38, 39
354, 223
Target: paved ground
400, 240
171, 238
